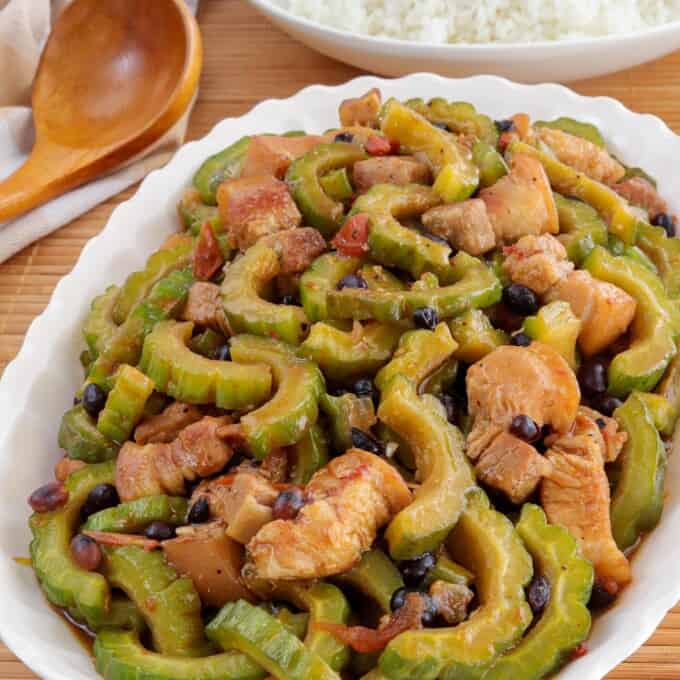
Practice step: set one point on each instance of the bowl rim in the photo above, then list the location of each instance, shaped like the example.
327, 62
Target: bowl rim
113, 245
269, 7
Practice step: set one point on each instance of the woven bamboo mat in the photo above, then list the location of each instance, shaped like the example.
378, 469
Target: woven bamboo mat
247, 60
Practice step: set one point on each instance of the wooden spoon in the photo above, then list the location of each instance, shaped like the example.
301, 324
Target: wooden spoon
114, 76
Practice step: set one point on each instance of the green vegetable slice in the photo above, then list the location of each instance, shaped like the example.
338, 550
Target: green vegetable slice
459, 117
308, 455
445, 474
99, 326
475, 336
623, 220
485, 542
135, 516
226, 164
556, 325
337, 185
653, 330
125, 404
457, 177
419, 354
394, 245
323, 276
194, 213
565, 622
376, 576
637, 501
326, 604
119, 655
169, 603
669, 388
194, 379
243, 300
80, 438
343, 355
293, 408
344, 413
163, 302
664, 252
139, 284
85, 593
241, 626
581, 228
476, 287
304, 180
491, 164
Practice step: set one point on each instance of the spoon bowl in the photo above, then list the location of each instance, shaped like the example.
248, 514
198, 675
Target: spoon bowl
114, 76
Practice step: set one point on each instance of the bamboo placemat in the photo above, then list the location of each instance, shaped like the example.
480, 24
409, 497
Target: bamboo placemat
247, 60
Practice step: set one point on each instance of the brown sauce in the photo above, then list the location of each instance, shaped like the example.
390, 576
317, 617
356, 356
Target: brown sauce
80, 631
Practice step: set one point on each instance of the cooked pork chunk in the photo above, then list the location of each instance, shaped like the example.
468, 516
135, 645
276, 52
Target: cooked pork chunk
613, 439
162, 468
297, 248
451, 601
203, 305
522, 202
605, 310
252, 207
361, 110
466, 226
242, 501
399, 170
167, 425
535, 381
576, 495
271, 155
537, 262
582, 155
512, 466
347, 502
641, 193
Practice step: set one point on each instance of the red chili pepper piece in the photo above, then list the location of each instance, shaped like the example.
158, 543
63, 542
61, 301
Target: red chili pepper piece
580, 651
352, 239
366, 640
208, 258
378, 146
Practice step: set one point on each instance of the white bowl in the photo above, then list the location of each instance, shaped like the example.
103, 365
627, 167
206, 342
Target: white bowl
556, 61
37, 387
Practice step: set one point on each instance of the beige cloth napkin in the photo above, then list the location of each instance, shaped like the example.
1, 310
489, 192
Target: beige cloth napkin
24, 27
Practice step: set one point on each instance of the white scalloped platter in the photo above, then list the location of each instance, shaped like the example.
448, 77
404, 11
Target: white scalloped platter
38, 386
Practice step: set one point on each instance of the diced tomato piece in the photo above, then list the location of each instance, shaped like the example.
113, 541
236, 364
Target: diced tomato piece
378, 146
352, 239
580, 651
208, 258
505, 139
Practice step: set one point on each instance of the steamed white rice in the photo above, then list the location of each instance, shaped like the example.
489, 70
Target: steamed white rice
483, 21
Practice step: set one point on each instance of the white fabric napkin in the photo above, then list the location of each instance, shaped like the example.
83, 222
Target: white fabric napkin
24, 27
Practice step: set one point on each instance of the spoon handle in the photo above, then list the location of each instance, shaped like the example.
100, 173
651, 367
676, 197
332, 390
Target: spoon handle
31, 185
